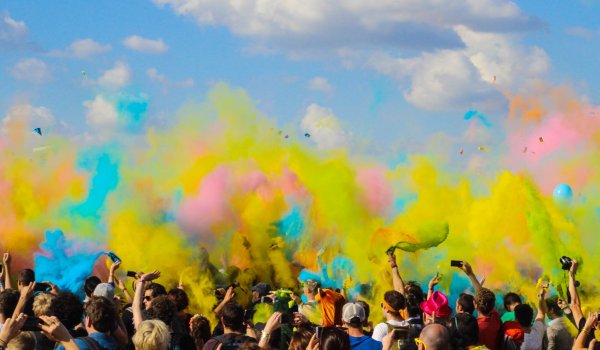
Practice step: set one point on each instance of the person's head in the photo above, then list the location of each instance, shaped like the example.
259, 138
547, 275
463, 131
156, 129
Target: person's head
232, 317
8, 302
485, 300
334, 338
414, 288
90, 284
465, 303
162, 308
353, 315
200, 330
152, 291
436, 309
152, 335
413, 304
511, 300
301, 338
467, 329
26, 276
42, 304
23, 341
311, 287
249, 345
105, 290
524, 315
435, 337
180, 298
367, 308
100, 315
392, 303
261, 289
554, 310
68, 309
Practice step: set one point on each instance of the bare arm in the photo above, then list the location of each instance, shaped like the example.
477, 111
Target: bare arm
585, 333
228, 297
396, 278
575, 304
542, 308
6, 260
432, 283
138, 316
26, 294
123, 289
57, 332
273, 324
111, 275
468, 270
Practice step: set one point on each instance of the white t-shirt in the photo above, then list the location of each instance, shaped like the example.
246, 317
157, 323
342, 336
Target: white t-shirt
533, 340
381, 330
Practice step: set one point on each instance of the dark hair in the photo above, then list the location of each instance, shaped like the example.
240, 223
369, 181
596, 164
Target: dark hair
334, 339
90, 284
249, 345
467, 329
26, 276
157, 290
101, 312
395, 300
367, 308
511, 298
68, 309
552, 305
485, 301
413, 305
414, 288
466, 302
232, 316
162, 308
524, 315
200, 330
180, 298
8, 302
301, 338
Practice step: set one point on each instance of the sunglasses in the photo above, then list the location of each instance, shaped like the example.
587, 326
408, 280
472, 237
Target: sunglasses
147, 298
418, 342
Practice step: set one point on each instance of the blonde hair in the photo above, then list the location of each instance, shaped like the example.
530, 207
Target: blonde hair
42, 304
23, 341
152, 335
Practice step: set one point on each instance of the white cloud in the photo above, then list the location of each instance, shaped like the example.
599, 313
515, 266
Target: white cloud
324, 127
582, 32
82, 48
469, 77
320, 84
116, 77
156, 76
100, 113
31, 70
414, 24
13, 33
38, 117
138, 43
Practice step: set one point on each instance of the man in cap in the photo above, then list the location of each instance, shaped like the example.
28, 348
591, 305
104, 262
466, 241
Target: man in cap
353, 316
260, 290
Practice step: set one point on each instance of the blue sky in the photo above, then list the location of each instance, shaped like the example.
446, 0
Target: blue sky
393, 72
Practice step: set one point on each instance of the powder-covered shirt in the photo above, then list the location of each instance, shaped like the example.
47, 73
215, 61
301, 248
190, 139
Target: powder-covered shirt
490, 330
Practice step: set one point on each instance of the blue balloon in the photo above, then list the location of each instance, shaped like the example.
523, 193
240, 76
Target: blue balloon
563, 192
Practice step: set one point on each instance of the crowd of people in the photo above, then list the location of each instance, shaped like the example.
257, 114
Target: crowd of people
37, 315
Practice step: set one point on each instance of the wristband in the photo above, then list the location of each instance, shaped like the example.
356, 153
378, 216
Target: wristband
394, 266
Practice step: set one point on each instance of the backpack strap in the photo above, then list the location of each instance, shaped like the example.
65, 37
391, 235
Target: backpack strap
91, 343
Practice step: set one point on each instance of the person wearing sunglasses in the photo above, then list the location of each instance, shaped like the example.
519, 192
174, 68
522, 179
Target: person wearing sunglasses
433, 337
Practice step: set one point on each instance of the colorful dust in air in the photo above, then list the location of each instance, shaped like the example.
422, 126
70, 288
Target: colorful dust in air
220, 196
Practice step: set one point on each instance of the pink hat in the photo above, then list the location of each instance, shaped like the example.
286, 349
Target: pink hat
437, 305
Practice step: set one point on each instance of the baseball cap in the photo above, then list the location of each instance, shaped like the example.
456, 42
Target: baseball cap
262, 288
353, 311
106, 290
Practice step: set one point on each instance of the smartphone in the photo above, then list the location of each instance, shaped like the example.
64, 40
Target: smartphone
266, 300
113, 257
131, 274
42, 287
319, 332
456, 263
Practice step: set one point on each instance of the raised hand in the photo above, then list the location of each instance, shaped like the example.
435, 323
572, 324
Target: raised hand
12, 327
54, 329
151, 276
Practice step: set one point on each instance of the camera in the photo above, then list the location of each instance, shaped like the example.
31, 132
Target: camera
566, 263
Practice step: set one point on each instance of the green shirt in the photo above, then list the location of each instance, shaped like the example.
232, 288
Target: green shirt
508, 316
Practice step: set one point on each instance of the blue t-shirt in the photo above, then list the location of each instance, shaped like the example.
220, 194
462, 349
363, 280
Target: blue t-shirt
365, 343
105, 341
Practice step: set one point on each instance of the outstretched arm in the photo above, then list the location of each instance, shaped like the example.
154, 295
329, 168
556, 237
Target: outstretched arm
432, 283
468, 270
575, 304
138, 316
6, 260
396, 278
111, 273
542, 309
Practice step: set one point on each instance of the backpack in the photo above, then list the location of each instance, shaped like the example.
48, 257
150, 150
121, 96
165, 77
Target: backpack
406, 338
